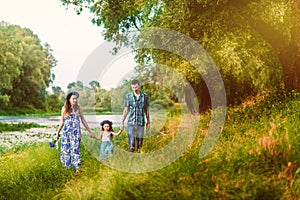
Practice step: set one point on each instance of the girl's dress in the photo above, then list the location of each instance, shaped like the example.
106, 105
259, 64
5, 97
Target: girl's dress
70, 141
107, 148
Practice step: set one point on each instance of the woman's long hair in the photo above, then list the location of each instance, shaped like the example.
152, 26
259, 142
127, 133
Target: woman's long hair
67, 104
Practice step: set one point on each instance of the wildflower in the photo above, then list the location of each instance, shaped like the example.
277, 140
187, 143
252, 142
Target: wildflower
251, 152
273, 127
53, 143
265, 142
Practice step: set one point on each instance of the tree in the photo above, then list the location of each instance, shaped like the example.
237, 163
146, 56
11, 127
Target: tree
75, 86
53, 103
283, 34
95, 85
57, 91
10, 62
26, 66
256, 44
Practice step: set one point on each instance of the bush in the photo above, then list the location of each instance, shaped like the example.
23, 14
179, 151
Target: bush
165, 103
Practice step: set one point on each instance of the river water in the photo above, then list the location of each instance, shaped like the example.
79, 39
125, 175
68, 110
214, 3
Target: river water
92, 120
44, 134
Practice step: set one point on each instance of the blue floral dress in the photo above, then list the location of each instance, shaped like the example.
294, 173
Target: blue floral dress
70, 141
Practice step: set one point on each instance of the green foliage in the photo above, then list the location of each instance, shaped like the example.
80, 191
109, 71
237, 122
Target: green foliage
28, 112
53, 103
252, 42
4, 127
34, 172
164, 103
10, 61
25, 68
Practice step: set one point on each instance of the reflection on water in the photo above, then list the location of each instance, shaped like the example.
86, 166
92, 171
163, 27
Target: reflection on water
92, 120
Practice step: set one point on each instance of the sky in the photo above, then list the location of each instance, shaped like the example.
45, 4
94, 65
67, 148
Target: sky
72, 37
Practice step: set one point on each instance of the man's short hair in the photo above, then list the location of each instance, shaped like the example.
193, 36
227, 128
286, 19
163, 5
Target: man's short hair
134, 82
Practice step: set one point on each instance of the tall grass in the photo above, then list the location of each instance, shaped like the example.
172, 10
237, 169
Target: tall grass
9, 111
6, 127
256, 157
34, 173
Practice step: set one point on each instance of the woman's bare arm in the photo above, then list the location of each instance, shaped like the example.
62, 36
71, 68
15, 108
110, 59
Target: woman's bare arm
85, 124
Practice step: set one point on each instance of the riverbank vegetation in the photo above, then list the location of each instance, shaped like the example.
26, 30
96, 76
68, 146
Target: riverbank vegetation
256, 157
14, 137
5, 127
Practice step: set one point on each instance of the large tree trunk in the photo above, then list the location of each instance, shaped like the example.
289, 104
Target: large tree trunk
203, 98
290, 53
290, 60
287, 48
292, 72
205, 103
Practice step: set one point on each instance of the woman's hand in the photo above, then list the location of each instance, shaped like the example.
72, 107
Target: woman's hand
92, 135
56, 137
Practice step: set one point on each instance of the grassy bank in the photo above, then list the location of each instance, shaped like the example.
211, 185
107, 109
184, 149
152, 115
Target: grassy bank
256, 157
5, 127
33, 173
27, 112
21, 136
43, 113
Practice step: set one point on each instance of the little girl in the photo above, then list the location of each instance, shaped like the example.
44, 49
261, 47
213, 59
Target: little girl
106, 135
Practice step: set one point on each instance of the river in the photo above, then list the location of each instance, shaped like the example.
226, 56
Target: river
11, 139
92, 120
16, 138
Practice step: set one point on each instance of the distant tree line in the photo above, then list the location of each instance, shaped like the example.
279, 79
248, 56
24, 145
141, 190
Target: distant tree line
26, 74
93, 98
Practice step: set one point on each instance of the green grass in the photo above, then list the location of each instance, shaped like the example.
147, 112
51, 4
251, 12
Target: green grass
43, 113
7, 127
256, 157
27, 112
34, 173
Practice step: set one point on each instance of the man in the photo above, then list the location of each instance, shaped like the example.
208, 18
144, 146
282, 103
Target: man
136, 105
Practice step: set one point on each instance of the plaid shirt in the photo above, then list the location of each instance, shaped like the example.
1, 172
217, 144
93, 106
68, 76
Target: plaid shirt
136, 108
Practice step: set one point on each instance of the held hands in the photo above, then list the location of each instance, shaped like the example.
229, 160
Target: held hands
92, 135
148, 126
122, 127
